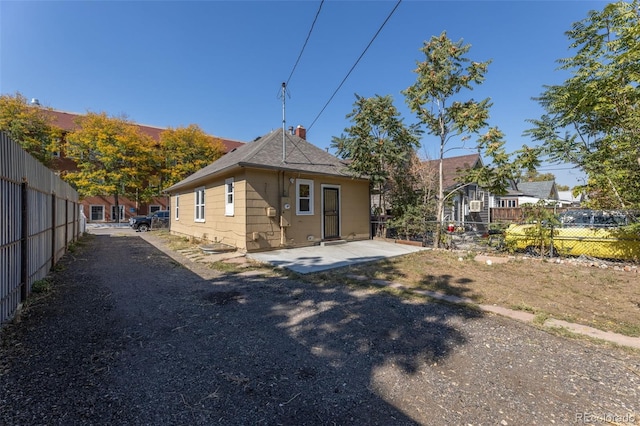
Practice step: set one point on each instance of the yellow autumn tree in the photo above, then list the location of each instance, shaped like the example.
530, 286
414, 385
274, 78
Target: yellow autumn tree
113, 157
185, 150
29, 126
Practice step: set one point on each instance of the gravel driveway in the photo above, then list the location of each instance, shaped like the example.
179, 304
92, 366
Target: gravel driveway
129, 336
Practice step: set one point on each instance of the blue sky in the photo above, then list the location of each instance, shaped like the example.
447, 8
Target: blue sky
221, 64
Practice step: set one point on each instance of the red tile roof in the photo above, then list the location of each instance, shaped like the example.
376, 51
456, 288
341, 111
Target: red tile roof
66, 121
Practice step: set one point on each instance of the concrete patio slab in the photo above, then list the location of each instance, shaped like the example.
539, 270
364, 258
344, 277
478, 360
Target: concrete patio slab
307, 260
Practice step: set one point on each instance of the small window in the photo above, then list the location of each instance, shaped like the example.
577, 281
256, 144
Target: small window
509, 203
58, 144
113, 213
154, 208
304, 197
97, 213
199, 204
177, 207
228, 197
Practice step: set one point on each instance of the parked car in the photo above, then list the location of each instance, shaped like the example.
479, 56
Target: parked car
159, 219
594, 233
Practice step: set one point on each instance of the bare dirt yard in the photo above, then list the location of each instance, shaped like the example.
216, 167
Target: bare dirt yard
129, 331
599, 294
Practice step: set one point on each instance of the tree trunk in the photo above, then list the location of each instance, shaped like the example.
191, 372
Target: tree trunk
615, 191
117, 203
439, 201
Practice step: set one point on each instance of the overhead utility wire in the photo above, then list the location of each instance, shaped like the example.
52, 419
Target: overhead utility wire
354, 65
305, 43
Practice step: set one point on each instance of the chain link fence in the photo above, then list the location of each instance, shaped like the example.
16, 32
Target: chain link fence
621, 243
580, 233
471, 236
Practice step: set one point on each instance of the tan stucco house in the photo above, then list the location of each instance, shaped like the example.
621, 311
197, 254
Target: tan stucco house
278, 191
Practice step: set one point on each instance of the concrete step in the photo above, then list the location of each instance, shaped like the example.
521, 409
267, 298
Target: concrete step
332, 242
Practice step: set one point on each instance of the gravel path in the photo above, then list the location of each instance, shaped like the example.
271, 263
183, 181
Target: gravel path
130, 337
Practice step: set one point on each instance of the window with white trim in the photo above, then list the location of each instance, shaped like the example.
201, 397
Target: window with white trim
154, 208
229, 196
177, 207
508, 203
199, 204
96, 213
113, 213
304, 197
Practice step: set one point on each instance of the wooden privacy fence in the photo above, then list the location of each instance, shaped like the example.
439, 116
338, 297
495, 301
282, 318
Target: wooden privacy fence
39, 217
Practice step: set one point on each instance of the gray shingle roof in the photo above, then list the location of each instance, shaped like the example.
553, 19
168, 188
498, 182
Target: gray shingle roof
266, 153
542, 190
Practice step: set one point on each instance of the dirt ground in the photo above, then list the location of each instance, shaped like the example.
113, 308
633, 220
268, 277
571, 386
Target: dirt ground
600, 294
128, 334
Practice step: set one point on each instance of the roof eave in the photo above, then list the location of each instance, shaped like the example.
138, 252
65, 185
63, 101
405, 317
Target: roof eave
178, 186
199, 180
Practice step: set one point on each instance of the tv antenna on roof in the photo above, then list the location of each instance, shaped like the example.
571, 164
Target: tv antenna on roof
284, 121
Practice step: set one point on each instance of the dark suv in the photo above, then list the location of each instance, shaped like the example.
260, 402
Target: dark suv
159, 219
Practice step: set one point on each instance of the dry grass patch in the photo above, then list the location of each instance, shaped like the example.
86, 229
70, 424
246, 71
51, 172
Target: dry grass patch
603, 298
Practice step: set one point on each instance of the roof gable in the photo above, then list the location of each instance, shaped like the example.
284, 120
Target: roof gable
568, 196
267, 153
544, 190
453, 167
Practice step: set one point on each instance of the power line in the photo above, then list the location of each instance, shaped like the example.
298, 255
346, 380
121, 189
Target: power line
552, 168
354, 65
305, 43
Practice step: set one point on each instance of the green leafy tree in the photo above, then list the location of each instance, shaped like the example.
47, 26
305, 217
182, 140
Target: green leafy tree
592, 118
377, 144
503, 169
543, 219
185, 150
413, 205
535, 176
112, 156
29, 126
435, 99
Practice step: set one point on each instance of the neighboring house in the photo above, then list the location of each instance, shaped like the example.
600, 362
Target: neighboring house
466, 203
567, 199
508, 207
278, 191
529, 192
102, 208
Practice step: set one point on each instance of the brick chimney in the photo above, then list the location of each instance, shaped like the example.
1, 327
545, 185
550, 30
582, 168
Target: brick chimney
301, 132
